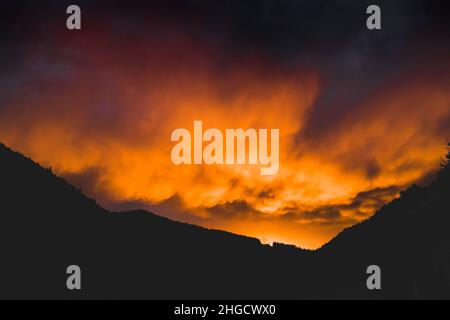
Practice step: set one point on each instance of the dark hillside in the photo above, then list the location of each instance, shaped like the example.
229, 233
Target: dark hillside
47, 225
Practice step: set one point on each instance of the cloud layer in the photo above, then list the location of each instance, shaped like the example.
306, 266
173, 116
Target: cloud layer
361, 115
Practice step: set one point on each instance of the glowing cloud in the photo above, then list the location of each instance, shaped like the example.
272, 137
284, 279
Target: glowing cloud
100, 111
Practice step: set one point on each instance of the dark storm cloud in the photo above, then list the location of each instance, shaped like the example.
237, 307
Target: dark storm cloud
359, 207
267, 194
235, 209
327, 35
373, 199
288, 30
281, 27
363, 204
373, 169
325, 214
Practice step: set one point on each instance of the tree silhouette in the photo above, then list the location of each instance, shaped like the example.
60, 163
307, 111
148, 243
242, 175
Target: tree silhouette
447, 158
445, 164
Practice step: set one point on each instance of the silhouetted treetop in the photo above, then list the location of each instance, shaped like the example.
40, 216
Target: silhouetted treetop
445, 164
447, 158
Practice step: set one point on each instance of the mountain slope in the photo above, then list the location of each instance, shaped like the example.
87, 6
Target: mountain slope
408, 239
47, 225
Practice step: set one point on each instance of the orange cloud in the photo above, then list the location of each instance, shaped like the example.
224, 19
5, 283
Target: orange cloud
112, 111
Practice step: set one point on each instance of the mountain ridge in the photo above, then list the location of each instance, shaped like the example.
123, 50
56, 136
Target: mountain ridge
138, 254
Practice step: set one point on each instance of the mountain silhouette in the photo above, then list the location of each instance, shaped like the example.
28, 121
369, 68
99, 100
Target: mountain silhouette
47, 225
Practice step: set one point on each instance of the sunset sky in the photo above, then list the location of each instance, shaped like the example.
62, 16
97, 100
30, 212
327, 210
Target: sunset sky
362, 114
